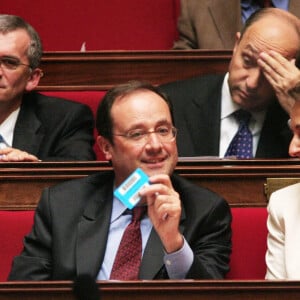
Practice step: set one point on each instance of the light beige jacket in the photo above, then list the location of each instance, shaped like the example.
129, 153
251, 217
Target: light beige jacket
283, 254
213, 24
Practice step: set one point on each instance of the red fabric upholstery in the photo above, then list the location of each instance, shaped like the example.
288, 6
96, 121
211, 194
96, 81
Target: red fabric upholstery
14, 225
90, 98
249, 243
101, 25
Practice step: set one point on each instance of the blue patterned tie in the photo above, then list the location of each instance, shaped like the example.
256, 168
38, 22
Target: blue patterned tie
241, 144
3, 144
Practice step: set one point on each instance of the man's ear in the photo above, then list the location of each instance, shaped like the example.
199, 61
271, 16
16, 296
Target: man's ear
105, 146
237, 41
33, 79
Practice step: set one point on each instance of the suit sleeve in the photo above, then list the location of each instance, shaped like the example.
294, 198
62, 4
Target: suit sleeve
212, 243
275, 241
35, 262
74, 137
187, 38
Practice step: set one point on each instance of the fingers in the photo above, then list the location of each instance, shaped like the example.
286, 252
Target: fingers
283, 76
277, 69
276, 62
15, 155
161, 198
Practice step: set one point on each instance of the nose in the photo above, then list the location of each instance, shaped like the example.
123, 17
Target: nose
294, 149
254, 78
153, 141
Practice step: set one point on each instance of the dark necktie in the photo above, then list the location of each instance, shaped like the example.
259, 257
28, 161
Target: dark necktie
241, 144
3, 144
128, 258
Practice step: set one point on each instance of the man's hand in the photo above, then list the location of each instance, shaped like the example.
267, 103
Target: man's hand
164, 211
284, 77
13, 155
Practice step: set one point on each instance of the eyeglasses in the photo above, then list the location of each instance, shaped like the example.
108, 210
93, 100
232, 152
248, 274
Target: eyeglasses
11, 63
165, 134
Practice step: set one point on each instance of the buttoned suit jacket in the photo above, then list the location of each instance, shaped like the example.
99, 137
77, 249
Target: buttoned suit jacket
54, 129
213, 24
282, 256
197, 115
72, 222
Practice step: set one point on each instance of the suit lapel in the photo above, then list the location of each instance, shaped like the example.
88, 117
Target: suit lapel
206, 126
275, 137
28, 134
228, 21
93, 230
153, 257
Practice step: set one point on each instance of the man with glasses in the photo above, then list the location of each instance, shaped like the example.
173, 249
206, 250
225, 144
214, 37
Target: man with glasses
79, 224
32, 126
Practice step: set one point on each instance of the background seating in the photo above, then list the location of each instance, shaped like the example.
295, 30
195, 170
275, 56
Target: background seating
249, 241
85, 77
100, 25
14, 225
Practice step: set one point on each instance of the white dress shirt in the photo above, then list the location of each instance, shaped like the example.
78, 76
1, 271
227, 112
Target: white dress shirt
8, 126
229, 124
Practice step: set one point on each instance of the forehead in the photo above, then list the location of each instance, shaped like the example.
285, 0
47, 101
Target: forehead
295, 114
271, 33
14, 41
140, 106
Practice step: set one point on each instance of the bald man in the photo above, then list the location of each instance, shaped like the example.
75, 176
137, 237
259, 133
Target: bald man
204, 106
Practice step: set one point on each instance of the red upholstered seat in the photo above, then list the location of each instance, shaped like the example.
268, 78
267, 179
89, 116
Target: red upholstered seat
101, 25
90, 98
249, 243
14, 225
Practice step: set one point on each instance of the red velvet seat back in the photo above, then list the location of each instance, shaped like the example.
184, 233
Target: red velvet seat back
101, 25
249, 243
14, 225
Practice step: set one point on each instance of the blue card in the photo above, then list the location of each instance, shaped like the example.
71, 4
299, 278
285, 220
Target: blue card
128, 191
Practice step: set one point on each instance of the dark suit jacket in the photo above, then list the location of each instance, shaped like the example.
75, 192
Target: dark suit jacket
54, 129
197, 111
71, 225
212, 24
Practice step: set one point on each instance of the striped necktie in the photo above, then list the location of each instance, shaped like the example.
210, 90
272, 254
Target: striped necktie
3, 144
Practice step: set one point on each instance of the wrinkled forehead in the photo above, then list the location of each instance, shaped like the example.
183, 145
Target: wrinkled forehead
272, 33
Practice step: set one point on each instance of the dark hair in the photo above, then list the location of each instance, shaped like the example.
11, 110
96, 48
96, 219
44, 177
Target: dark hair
104, 122
9, 23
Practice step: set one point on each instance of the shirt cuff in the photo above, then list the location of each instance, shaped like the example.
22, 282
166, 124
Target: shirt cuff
178, 263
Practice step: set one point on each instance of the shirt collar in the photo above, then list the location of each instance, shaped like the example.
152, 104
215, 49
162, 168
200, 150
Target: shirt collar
8, 126
118, 209
228, 107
